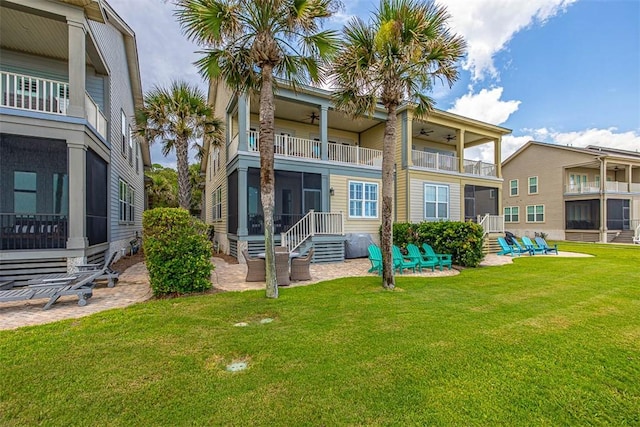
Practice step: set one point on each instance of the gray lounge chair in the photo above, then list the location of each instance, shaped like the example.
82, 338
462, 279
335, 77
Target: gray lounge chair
80, 284
107, 273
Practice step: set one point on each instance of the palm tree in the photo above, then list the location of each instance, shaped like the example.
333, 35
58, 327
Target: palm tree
396, 58
247, 43
178, 115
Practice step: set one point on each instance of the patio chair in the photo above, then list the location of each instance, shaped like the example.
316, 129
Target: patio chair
544, 245
282, 268
300, 267
375, 256
532, 247
80, 284
106, 272
520, 248
400, 262
506, 249
255, 268
415, 255
444, 260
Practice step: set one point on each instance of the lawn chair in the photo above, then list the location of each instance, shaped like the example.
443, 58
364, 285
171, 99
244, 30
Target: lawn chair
106, 272
80, 284
544, 245
400, 262
375, 256
444, 260
506, 249
532, 247
520, 248
300, 267
415, 255
255, 268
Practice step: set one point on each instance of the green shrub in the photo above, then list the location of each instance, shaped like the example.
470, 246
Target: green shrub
463, 240
177, 251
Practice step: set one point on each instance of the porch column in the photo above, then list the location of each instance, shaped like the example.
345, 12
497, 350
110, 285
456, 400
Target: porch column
244, 124
497, 156
77, 238
629, 169
406, 132
603, 201
460, 150
242, 201
326, 190
324, 132
77, 68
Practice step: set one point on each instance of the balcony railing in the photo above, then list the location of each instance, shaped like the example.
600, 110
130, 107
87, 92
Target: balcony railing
32, 93
38, 231
594, 187
95, 116
480, 168
289, 146
435, 161
312, 224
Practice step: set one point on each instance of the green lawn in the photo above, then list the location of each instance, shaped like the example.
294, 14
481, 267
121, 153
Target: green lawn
545, 341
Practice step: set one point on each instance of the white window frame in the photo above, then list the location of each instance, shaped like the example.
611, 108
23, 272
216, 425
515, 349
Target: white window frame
509, 217
365, 203
517, 188
537, 185
437, 202
535, 214
130, 146
123, 133
126, 202
216, 204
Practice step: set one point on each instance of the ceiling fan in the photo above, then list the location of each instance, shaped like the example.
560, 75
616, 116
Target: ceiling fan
313, 117
425, 132
450, 138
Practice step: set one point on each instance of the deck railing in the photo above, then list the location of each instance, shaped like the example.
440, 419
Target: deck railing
594, 187
423, 159
582, 188
491, 223
312, 224
33, 93
480, 168
95, 116
37, 231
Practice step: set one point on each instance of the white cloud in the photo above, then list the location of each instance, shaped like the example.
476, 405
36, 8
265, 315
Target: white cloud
489, 25
485, 106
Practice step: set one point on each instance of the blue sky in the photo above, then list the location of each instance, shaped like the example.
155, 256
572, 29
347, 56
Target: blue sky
558, 71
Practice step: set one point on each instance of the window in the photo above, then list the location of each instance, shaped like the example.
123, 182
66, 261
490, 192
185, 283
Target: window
123, 133
24, 192
60, 194
535, 213
363, 199
533, 185
578, 182
216, 209
138, 158
436, 202
215, 160
513, 187
512, 214
126, 197
130, 146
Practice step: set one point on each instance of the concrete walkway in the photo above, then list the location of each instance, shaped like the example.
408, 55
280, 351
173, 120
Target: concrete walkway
133, 287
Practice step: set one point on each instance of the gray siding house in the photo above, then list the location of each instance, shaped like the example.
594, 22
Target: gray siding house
71, 170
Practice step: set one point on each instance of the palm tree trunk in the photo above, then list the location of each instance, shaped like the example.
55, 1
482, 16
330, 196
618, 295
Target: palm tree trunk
267, 176
184, 184
388, 158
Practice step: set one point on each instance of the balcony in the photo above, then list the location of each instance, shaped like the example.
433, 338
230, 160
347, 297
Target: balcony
24, 92
292, 147
609, 187
446, 163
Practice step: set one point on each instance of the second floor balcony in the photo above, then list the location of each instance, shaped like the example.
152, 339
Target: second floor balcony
30, 93
447, 163
595, 187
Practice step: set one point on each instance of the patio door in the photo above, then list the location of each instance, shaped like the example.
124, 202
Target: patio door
312, 200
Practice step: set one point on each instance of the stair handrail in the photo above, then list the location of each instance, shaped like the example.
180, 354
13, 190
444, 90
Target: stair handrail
313, 223
491, 223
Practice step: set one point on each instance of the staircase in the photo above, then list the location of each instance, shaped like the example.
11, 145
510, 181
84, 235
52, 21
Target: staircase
625, 236
490, 244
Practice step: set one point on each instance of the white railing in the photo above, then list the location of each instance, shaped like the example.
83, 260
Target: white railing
492, 223
232, 148
634, 187
95, 116
583, 187
423, 159
617, 187
312, 224
290, 146
32, 93
478, 167
594, 187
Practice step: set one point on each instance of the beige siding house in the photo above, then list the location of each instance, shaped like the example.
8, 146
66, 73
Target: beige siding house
584, 194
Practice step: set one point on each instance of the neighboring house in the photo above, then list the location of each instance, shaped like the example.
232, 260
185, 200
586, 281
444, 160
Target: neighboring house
71, 171
587, 194
330, 163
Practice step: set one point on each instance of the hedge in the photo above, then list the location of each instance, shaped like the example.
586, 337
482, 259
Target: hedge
463, 240
177, 251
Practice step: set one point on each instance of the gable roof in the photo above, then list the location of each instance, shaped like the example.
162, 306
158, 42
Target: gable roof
593, 150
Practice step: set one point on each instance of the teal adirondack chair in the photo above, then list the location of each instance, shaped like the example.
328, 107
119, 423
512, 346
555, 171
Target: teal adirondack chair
375, 256
521, 248
506, 249
400, 262
444, 260
532, 247
415, 255
544, 245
